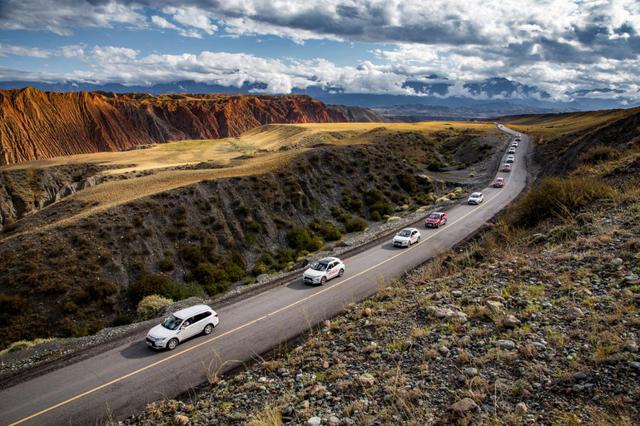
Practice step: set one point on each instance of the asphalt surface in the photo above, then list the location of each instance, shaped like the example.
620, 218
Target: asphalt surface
121, 380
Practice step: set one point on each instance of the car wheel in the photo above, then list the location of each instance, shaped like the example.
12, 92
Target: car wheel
323, 280
171, 345
208, 329
341, 273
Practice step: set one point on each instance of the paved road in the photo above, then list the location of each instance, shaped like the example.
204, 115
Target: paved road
121, 380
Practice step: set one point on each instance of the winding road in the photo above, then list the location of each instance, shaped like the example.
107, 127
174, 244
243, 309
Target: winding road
121, 380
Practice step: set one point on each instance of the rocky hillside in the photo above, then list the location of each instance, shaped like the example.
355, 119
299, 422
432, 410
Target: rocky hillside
536, 321
36, 124
199, 239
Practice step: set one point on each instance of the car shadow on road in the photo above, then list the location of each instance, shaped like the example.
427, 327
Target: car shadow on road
299, 285
137, 350
391, 247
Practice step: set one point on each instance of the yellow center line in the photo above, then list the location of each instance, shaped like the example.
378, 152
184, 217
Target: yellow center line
277, 311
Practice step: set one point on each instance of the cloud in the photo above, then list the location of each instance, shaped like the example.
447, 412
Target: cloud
194, 17
34, 52
559, 47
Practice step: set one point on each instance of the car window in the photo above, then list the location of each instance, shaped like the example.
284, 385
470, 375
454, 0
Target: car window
188, 322
171, 323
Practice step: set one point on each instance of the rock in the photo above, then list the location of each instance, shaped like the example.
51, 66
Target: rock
630, 347
314, 421
366, 379
447, 313
470, 371
574, 313
521, 409
456, 293
181, 419
506, 344
494, 305
632, 278
444, 350
616, 261
464, 407
510, 321
333, 421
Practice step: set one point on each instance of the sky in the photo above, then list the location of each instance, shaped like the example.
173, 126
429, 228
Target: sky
550, 49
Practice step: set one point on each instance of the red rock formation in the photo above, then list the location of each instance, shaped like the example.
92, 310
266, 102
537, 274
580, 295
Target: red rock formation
36, 124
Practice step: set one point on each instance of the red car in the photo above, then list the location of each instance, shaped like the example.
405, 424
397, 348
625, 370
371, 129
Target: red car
435, 219
506, 168
498, 183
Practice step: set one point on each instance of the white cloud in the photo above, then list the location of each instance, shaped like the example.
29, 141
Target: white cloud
161, 22
191, 16
34, 52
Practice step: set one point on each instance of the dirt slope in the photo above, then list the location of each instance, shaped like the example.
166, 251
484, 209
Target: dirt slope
36, 124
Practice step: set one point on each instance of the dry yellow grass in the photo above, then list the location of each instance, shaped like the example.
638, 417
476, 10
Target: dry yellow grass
551, 125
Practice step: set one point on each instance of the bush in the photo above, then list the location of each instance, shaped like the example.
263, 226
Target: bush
300, 239
206, 273
165, 264
408, 182
328, 230
435, 166
558, 197
356, 224
151, 306
599, 154
375, 216
149, 284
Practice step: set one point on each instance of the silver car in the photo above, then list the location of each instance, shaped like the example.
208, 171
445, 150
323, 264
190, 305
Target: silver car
182, 325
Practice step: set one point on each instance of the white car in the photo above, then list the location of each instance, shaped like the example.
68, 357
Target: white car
510, 158
406, 237
514, 144
476, 198
182, 325
323, 270
512, 150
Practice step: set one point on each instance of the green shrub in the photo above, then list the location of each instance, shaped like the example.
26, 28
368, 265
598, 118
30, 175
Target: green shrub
166, 264
408, 182
435, 166
260, 268
600, 154
217, 287
151, 306
558, 197
328, 230
206, 273
149, 284
192, 255
356, 224
299, 239
375, 216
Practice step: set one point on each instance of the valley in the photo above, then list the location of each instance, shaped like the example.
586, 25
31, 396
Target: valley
195, 218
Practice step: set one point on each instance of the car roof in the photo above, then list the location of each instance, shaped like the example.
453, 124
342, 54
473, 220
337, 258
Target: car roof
499, 178
191, 311
435, 212
408, 229
328, 259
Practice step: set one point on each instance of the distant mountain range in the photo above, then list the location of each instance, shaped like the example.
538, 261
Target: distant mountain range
488, 98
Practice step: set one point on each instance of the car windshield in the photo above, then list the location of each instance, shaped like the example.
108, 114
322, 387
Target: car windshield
404, 233
319, 266
435, 215
171, 323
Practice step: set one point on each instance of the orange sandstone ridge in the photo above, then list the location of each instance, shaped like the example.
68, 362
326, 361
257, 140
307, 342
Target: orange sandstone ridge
36, 124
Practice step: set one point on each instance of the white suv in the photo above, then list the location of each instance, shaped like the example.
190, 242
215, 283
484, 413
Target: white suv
323, 270
182, 325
